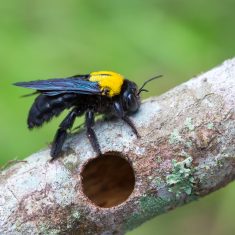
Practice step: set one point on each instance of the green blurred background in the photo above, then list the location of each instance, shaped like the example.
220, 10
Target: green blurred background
139, 39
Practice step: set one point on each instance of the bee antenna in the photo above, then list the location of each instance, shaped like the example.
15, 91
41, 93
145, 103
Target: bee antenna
147, 81
145, 90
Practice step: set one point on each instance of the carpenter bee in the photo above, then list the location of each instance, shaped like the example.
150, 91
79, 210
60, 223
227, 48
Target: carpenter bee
102, 92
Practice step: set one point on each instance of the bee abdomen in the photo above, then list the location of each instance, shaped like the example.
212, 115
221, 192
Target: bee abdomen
45, 108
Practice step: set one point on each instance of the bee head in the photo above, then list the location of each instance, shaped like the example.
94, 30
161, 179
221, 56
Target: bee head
131, 94
130, 97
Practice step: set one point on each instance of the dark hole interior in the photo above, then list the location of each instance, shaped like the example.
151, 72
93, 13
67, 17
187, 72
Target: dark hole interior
108, 180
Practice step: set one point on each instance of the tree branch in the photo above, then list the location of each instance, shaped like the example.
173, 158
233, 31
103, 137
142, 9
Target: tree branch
186, 150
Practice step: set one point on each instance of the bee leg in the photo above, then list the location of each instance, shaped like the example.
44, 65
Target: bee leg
120, 113
131, 124
90, 120
61, 133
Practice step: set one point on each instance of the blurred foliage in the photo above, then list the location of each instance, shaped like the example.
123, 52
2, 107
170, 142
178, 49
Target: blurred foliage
139, 39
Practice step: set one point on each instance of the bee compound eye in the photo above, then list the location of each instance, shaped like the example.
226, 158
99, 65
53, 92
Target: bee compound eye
132, 102
130, 99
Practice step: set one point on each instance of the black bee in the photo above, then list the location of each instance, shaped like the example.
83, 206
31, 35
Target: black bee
102, 92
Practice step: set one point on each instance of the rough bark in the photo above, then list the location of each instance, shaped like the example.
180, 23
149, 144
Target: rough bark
186, 151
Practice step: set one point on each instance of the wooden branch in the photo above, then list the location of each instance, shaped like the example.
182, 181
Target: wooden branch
186, 150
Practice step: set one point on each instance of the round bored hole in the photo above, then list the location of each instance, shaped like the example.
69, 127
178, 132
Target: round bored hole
108, 180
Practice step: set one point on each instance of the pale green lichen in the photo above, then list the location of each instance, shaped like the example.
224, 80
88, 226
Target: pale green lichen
158, 159
150, 177
210, 126
185, 154
189, 124
71, 163
46, 229
175, 137
158, 182
76, 214
150, 206
207, 167
73, 218
189, 144
219, 163
181, 179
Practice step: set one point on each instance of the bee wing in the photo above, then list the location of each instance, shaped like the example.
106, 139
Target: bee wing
58, 86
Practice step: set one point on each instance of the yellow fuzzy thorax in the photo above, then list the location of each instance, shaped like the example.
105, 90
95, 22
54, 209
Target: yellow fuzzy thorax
110, 82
